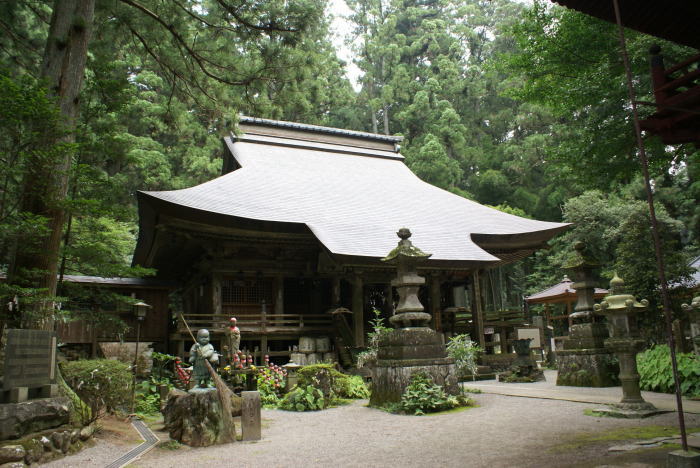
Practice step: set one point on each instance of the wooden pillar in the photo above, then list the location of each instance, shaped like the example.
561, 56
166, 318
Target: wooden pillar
216, 293
181, 348
435, 302
279, 295
358, 304
263, 349
389, 299
569, 312
335, 293
477, 308
503, 333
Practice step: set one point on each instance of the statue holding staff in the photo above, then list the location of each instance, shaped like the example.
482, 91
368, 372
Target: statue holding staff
200, 352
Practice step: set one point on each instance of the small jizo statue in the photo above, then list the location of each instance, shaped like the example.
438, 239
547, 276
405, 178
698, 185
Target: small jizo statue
200, 352
234, 336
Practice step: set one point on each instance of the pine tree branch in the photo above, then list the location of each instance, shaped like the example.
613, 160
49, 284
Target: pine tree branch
181, 42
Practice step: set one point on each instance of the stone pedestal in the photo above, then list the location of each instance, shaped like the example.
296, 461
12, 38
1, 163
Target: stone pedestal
587, 368
683, 459
404, 352
196, 418
585, 362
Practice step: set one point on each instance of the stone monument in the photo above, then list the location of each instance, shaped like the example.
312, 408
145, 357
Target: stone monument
412, 346
524, 367
30, 363
585, 361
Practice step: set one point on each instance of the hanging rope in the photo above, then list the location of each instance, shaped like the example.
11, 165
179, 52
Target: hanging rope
654, 225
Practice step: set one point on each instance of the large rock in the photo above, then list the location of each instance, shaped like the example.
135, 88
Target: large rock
11, 453
18, 419
196, 418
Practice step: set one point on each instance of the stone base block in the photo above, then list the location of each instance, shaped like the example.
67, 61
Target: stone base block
637, 411
197, 419
19, 394
404, 352
683, 459
389, 382
587, 368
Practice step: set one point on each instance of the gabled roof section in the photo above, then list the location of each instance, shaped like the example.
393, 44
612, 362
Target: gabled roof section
350, 189
560, 292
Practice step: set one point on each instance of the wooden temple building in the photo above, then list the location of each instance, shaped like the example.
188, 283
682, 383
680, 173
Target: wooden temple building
289, 238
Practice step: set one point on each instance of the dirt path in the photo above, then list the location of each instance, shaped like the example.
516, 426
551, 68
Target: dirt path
502, 431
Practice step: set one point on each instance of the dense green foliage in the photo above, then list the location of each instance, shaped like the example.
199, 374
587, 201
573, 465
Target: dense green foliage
422, 396
656, 374
465, 353
104, 385
521, 107
308, 398
320, 386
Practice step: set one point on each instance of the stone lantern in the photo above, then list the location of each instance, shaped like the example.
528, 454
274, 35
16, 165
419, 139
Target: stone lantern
412, 346
292, 378
621, 311
406, 257
693, 311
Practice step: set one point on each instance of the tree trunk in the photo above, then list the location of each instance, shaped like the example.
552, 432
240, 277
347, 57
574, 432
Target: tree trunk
45, 182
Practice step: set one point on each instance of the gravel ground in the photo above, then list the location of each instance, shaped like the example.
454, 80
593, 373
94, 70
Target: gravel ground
503, 431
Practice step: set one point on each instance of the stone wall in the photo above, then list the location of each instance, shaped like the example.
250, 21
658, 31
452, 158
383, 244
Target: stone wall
45, 446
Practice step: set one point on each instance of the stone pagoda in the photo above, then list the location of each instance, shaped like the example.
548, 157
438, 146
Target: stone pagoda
412, 346
585, 361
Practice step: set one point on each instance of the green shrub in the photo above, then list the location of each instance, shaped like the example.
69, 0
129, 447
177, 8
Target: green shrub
104, 385
308, 398
351, 386
656, 374
379, 330
424, 396
147, 403
465, 353
332, 383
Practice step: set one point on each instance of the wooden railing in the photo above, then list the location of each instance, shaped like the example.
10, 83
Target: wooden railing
677, 96
675, 81
504, 318
257, 322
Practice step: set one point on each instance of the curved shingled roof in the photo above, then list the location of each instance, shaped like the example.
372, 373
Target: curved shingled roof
352, 198
560, 292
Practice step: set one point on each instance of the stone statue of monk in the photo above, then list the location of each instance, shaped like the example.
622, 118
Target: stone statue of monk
200, 352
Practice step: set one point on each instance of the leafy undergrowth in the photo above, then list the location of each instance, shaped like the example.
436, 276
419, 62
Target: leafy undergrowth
423, 396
